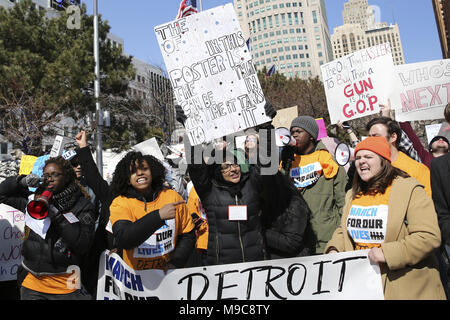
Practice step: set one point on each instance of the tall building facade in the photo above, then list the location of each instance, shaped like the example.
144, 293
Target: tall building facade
442, 14
361, 30
293, 35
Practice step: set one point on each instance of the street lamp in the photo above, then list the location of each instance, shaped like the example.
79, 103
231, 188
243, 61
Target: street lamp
97, 92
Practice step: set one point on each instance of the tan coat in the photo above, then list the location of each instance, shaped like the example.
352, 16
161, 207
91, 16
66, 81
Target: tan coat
410, 271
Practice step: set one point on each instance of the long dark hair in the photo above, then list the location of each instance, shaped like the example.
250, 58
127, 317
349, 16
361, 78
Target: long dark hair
379, 183
127, 166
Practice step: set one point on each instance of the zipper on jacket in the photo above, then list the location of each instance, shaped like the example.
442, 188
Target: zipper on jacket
239, 233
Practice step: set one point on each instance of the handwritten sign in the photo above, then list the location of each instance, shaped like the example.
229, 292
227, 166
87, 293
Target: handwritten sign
356, 85
212, 74
425, 90
347, 275
12, 224
26, 164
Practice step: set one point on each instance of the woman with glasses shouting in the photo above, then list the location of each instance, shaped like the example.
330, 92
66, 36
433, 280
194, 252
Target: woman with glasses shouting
55, 244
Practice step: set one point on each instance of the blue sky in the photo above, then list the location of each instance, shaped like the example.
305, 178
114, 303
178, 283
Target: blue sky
134, 20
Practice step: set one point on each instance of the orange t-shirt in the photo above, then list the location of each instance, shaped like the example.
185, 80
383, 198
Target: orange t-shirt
367, 220
56, 284
154, 253
194, 206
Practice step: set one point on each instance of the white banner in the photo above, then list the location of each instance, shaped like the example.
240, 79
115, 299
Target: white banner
340, 276
356, 85
212, 73
12, 224
425, 90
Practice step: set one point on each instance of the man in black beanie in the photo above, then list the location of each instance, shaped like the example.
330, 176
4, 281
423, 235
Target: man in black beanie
319, 178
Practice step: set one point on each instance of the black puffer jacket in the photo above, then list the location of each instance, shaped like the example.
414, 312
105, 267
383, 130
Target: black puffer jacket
64, 244
286, 216
230, 241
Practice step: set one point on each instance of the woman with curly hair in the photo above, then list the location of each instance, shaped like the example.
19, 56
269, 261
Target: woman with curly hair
150, 222
50, 256
389, 213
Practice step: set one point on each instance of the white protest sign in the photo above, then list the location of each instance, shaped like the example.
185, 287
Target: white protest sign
57, 147
425, 90
356, 85
432, 131
12, 224
151, 147
212, 73
347, 275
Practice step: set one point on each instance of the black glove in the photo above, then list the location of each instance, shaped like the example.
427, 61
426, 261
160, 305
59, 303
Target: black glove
30, 180
180, 116
271, 112
287, 156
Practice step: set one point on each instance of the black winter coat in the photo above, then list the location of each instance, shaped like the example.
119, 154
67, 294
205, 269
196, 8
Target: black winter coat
102, 239
286, 216
230, 241
64, 244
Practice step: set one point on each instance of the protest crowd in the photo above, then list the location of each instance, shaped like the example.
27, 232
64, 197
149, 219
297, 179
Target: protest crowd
228, 211
282, 195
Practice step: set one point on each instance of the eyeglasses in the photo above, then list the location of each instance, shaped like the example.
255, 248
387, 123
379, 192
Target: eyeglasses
226, 167
53, 175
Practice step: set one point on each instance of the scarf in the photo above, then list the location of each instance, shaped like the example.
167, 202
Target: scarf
66, 199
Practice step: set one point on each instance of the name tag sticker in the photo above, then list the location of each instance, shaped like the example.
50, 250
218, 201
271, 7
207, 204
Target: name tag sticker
237, 213
70, 217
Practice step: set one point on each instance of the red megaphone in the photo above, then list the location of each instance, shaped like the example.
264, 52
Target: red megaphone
38, 209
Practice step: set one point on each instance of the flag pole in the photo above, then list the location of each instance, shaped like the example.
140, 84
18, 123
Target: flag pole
201, 5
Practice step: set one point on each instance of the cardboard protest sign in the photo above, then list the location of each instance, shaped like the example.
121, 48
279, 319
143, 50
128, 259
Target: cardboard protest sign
425, 90
284, 117
12, 224
212, 74
356, 85
347, 275
26, 164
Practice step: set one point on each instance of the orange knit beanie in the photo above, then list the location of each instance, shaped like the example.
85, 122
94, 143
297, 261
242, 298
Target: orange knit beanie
379, 145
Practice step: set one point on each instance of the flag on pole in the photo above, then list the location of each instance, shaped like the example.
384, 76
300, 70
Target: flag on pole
271, 71
187, 7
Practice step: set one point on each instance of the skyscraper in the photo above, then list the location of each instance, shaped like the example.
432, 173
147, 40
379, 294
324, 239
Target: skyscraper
442, 14
362, 30
293, 35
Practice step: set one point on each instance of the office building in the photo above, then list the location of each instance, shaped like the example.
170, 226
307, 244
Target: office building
361, 30
293, 35
442, 14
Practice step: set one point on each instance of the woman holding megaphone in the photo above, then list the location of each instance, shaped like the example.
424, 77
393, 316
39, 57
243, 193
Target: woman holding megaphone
59, 231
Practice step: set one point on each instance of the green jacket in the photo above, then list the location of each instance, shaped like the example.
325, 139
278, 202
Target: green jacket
326, 198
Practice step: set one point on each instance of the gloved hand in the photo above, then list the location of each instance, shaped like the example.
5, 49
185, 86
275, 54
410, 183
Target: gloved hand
30, 180
180, 115
271, 112
287, 156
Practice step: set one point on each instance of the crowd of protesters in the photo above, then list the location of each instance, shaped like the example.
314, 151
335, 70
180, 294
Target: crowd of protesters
224, 210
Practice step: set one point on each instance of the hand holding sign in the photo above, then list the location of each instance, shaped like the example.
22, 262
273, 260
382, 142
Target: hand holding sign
169, 210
